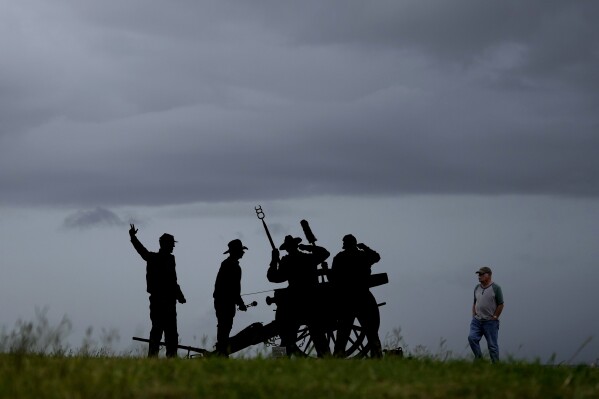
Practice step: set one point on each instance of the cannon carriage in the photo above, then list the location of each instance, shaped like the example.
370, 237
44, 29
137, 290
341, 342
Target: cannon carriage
269, 333
256, 333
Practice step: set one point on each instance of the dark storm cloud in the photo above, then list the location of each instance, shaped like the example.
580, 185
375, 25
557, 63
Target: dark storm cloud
558, 32
159, 103
555, 42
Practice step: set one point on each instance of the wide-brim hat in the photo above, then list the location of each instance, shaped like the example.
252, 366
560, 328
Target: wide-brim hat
235, 245
289, 240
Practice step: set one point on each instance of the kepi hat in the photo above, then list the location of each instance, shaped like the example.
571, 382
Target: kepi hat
167, 237
350, 239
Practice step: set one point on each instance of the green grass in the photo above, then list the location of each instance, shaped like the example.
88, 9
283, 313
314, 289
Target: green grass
36, 376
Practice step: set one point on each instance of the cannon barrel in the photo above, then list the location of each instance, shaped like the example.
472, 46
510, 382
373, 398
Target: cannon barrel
253, 334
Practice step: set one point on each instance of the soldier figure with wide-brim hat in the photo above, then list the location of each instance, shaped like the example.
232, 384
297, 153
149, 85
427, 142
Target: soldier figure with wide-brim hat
300, 269
227, 295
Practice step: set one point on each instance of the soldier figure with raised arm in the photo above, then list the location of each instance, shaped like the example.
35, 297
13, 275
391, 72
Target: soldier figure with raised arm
300, 269
161, 281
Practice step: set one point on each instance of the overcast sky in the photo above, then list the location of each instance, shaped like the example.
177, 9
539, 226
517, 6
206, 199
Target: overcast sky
445, 135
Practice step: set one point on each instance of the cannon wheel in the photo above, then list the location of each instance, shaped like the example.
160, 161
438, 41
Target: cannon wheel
357, 344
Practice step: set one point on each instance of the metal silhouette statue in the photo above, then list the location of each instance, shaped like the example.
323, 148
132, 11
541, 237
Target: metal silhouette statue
330, 314
350, 273
312, 314
161, 283
227, 295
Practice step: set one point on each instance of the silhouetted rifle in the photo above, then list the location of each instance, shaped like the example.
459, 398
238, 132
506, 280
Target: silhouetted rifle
189, 349
312, 240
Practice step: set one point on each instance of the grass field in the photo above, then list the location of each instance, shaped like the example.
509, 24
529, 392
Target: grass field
35, 363
37, 376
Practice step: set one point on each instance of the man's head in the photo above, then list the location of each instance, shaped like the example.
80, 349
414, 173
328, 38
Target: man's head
167, 242
236, 248
349, 241
290, 243
484, 275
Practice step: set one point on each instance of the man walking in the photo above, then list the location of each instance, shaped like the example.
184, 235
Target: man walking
227, 294
161, 283
487, 307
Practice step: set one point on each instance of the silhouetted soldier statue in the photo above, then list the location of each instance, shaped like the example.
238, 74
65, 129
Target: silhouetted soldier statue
349, 275
161, 280
299, 269
227, 294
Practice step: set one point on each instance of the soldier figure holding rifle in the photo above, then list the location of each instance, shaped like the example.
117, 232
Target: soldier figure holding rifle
161, 280
299, 269
349, 274
227, 294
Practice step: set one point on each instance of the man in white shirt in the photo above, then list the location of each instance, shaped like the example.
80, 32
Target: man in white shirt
486, 309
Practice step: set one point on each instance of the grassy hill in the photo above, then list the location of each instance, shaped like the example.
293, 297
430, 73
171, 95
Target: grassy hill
40, 376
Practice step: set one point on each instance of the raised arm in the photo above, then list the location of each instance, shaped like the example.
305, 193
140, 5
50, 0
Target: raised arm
372, 256
141, 250
274, 273
320, 254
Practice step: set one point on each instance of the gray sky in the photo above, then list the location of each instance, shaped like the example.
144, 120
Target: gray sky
446, 135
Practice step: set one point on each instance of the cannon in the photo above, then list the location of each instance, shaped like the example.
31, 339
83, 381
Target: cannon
357, 345
269, 334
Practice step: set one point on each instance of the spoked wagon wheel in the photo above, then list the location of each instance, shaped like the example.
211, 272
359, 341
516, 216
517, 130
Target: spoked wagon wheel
357, 344
304, 343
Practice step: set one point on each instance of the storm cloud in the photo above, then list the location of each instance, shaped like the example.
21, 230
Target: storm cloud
446, 135
153, 103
